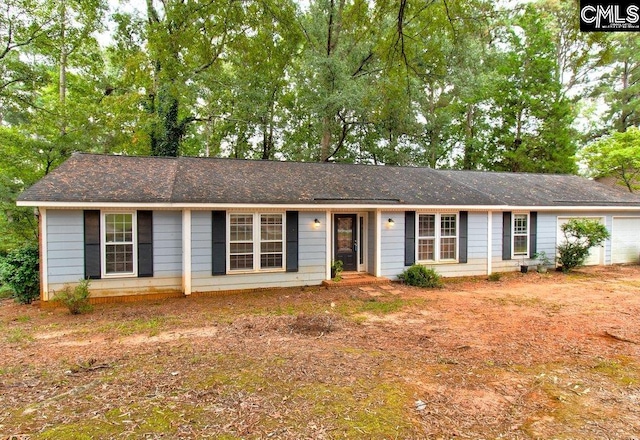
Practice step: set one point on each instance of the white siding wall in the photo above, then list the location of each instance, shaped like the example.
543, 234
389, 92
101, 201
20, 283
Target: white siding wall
311, 258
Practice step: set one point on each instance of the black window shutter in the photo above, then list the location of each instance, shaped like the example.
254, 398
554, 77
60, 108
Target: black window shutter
506, 235
145, 243
92, 245
292, 241
463, 235
409, 238
533, 233
218, 242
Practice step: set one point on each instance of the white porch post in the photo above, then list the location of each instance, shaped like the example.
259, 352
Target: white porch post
489, 241
378, 266
44, 269
328, 243
186, 251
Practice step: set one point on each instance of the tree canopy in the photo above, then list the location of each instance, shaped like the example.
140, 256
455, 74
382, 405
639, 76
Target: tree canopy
471, 84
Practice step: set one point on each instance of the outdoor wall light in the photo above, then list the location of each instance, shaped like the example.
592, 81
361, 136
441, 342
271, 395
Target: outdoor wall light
316, 223
391, 222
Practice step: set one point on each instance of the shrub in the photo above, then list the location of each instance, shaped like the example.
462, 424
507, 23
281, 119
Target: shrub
420, 276
76, 299
495, 276
20, 270
580, 235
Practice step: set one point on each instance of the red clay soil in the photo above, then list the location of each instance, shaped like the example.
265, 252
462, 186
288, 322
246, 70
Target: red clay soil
530, 356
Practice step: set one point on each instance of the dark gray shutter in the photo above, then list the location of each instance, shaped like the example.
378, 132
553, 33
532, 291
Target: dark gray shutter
292, 241
145, 243
218, 242
533, 233
409, 238
92, 245
506, 235
463, 234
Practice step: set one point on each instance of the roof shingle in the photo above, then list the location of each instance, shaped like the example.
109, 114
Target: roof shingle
95, 178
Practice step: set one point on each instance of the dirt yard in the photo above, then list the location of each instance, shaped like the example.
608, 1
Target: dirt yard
529, 356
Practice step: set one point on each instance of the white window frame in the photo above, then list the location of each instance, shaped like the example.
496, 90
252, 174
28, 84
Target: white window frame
437, 237
515, 255
257, 240
103, 244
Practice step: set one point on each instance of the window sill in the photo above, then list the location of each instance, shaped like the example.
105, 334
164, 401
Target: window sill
436, 262
259, 271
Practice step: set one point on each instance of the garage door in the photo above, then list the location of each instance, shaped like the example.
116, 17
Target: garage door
596, 255
625, 240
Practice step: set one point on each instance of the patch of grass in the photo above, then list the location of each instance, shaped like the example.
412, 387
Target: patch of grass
623, 370
381, 307
23, 318
18, 336
365, 410
150, 326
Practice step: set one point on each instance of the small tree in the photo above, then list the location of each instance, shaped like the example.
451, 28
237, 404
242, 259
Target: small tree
76, 299
580, 235
21, 271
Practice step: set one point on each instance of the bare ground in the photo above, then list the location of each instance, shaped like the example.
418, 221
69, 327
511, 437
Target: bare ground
530, 356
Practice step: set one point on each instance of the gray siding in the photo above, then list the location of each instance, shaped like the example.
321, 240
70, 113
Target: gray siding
393, 248
311, 258
65, 256
392, 244
65, 246
167, 244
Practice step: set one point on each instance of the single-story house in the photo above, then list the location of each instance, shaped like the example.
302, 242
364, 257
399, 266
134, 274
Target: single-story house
177, 226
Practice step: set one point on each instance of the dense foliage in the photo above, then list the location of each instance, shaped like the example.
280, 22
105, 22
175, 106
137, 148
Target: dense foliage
419, 276
20, 270
580, 236
470, 84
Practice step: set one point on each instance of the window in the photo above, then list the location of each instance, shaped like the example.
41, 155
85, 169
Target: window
520, 235
438, 243
119, 244
256, 242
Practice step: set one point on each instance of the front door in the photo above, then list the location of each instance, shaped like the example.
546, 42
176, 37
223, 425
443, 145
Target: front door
345, 239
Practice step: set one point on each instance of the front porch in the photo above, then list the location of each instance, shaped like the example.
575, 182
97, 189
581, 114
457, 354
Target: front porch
356, 279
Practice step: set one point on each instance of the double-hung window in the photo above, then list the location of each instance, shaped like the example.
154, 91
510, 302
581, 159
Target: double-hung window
520, 235
437, 237
256, 241
119, 249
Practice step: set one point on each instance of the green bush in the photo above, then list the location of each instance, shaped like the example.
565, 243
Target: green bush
494, 276
76, 299
20, 270
580, 235
420, 276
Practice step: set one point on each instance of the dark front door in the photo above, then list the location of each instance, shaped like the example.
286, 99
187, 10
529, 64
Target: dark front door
345, 239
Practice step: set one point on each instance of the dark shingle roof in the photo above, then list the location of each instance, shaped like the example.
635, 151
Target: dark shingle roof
124, 179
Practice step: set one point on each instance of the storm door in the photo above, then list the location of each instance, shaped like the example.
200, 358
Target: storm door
346, 240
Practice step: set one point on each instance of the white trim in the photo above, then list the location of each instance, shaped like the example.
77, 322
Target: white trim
103, 245
328, 225
489, 242
186, 252
527, 254
320, 206
437, 238
378, 267
256, 242
44, 258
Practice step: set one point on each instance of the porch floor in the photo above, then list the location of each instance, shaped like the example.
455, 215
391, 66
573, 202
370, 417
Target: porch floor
356, 279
